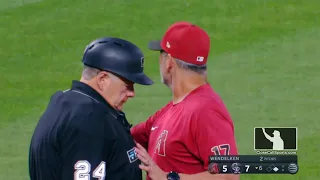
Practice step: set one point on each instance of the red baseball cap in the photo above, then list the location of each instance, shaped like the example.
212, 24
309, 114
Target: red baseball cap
186, 42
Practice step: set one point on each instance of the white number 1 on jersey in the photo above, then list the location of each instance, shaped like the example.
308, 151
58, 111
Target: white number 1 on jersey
83, 169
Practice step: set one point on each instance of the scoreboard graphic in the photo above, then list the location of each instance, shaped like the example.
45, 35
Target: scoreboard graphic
254, 164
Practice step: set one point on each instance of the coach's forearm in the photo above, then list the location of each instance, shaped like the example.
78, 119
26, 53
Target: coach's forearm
208, 176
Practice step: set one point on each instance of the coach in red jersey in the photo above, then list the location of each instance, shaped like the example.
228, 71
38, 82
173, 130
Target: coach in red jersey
196, 124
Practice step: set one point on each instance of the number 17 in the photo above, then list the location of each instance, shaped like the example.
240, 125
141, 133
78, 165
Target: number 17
216, 149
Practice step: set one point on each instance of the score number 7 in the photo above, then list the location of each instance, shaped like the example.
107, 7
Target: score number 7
223, 147
247, 168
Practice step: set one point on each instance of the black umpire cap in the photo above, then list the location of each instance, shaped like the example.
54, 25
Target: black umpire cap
118, 56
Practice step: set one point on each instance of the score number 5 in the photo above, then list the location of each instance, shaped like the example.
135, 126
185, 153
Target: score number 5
224, 168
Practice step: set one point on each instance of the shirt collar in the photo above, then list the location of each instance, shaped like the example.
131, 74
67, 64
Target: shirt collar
89, 91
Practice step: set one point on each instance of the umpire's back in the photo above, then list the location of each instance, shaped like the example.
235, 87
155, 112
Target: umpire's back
82, 135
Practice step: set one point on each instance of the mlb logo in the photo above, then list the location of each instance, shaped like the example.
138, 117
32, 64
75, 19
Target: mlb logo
168, 45
200, 58
142, 62
276, 138
132, 155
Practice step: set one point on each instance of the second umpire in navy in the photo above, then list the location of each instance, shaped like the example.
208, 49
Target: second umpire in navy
83, 134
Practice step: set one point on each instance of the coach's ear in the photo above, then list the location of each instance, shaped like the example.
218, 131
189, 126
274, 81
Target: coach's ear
170, 62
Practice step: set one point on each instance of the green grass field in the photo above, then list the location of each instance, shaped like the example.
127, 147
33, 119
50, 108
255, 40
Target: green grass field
265, 63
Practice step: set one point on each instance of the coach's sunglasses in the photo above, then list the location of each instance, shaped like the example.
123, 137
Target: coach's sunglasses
162, 51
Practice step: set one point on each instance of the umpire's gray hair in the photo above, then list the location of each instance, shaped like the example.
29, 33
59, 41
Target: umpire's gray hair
200, 69
89, 72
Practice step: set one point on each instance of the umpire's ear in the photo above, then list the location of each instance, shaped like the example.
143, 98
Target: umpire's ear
103, 80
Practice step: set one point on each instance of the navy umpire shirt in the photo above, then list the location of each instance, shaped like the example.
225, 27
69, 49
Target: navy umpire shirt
81, 137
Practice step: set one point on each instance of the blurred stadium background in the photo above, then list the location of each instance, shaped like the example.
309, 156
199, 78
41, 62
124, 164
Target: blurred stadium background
265, 63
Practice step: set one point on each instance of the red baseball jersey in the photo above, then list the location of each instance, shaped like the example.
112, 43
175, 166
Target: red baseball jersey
181, 137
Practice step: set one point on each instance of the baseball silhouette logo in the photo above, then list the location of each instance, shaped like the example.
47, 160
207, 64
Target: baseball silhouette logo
275, 138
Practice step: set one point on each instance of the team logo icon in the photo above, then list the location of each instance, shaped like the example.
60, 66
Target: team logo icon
236, 168
213, 168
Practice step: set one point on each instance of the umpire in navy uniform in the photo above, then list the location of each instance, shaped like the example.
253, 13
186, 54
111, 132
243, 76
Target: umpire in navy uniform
83, 134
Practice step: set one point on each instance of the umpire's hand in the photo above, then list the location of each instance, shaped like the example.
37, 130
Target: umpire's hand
152, 169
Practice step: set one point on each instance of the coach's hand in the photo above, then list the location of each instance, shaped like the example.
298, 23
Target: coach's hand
152, 169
